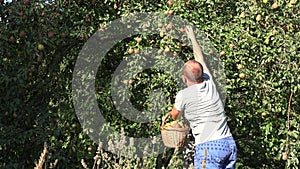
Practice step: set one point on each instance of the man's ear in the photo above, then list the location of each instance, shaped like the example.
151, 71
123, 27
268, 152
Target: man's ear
184, 79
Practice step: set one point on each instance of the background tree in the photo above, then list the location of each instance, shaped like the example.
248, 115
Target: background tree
40, 41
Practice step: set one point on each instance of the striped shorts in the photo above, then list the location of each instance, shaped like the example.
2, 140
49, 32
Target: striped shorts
216, 154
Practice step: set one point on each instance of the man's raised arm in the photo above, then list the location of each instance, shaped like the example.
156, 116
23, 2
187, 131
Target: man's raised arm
196, 48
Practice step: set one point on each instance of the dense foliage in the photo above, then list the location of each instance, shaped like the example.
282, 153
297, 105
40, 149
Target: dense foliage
258, 44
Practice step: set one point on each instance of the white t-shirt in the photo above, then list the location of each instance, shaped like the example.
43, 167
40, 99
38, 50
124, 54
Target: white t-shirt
204, 110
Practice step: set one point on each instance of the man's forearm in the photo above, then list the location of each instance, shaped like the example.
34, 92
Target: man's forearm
196, 48
197, 51
198, 54
174, 113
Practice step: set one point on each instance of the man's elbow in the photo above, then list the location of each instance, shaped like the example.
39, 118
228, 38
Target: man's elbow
175, 113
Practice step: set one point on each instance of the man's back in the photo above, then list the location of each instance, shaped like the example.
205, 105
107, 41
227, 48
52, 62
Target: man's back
204, 110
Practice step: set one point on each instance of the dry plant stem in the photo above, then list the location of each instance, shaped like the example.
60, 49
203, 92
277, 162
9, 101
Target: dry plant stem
288, 121
53, 165
84, 165
98, 156
42, 158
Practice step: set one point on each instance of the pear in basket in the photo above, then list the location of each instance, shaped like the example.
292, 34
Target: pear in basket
176, 125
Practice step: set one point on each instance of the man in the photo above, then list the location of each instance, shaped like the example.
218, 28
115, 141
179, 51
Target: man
201, 105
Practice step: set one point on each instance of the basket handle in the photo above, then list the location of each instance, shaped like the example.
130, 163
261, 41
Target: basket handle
164, 119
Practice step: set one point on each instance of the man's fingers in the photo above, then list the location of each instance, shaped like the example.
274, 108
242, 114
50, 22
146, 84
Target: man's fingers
188, 28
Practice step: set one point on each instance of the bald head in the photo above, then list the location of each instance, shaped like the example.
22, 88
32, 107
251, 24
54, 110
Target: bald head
193, 71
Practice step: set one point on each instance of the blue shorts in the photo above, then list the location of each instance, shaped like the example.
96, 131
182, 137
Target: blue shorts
216, 154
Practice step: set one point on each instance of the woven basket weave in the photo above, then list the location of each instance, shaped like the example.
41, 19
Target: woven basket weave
173, 137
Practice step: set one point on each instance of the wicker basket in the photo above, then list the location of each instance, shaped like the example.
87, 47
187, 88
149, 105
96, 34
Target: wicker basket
173, 137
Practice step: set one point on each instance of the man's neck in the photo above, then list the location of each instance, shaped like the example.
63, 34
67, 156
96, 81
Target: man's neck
188, 84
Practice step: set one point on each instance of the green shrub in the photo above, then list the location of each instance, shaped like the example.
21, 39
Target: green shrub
40, 43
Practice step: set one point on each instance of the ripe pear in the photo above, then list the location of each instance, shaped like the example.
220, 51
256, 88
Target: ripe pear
161, 34
130, 51
239, 66
139, 40
242, 15
50, 34
170, 12
169, 26
12, 39
267, 41
22, 34
242, 75
41, 47
167, 49
275, 6
131, 81
222, 53
285, 156
136, 51
258, 17
170, 2
176, 125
